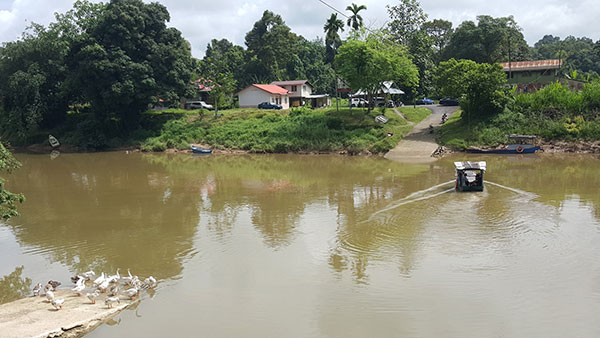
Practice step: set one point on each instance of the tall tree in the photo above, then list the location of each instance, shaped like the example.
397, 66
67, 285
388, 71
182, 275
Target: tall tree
332, 37
439, 32
355, 20
271, 48
490, 40
129, 58
407, 19
224, 57
367, 64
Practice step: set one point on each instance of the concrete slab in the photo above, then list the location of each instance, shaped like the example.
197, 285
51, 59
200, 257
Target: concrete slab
419, 144
36, 317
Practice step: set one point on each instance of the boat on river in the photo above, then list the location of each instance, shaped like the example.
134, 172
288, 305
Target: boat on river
518, 144
200, 150
469, 175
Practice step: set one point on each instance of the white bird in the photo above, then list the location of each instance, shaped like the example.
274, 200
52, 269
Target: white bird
111, 300
49, 295
88, 275
127, 279
114, 278
79, 287
100, 279
92, 296
58, 303
150, 282
114, 290
132, 293
37, 289
104, 285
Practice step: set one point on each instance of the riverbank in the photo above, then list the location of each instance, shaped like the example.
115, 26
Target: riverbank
556, 135
35, 317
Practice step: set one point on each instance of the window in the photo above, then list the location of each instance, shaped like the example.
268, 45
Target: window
294, 88
272, 99
285, 100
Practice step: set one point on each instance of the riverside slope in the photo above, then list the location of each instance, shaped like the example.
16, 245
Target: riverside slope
419, 144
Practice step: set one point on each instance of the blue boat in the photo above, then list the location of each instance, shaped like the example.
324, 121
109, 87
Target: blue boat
200, 150
521, 144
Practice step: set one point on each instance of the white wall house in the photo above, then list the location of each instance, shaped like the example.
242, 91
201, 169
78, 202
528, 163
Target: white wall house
254, 94
299, 91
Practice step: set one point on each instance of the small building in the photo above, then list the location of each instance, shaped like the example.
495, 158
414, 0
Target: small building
388, 89
203, 88
299, 91
253, 95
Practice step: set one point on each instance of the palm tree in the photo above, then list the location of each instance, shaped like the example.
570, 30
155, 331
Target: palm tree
355, 21
332, 38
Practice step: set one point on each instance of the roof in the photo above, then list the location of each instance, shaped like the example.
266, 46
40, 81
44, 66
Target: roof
203, 85
291, 83
531, 65
387, 87
269, 88
466, 165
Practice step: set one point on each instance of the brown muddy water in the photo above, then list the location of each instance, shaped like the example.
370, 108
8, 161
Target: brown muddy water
317, 246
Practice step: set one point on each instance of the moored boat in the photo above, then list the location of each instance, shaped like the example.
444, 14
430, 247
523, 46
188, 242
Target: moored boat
200, 150
520, 144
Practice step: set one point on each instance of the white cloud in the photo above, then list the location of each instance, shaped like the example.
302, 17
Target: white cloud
202, 20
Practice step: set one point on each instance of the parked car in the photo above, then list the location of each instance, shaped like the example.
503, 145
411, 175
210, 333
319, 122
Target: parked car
198, 105
267, 105
424, 101
358, 102
448, 101
378, 102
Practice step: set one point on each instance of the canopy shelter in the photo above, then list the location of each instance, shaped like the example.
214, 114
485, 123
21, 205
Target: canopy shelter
469, 165
387, 88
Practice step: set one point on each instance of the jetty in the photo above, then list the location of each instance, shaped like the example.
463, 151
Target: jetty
36, 317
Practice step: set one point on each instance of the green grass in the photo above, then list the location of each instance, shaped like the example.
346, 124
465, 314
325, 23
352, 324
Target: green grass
416, 114
281, 131
459, 134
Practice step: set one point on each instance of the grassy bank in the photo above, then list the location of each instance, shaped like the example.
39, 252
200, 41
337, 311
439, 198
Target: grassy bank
553, 113
297, 130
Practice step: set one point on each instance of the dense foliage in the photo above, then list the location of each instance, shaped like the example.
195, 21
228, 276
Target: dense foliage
367, 64
554, 112
8, 200
479, 85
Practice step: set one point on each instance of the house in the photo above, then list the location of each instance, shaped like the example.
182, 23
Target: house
299, 91
203, 89
530, 76
254, 94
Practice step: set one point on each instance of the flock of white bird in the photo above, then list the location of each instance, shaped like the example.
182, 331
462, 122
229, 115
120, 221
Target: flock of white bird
104, 284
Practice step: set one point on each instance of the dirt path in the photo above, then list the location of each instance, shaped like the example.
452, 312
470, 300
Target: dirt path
418, 145
35, 317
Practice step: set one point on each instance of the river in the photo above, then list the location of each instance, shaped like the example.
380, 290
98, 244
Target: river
317, 246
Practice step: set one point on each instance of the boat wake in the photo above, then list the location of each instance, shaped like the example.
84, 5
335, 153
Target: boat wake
415, 197
518, 191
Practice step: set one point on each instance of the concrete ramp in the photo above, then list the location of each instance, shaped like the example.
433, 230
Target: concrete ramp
35, 316
419, 144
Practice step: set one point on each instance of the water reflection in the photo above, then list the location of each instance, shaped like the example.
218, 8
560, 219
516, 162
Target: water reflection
13, 286
354, 246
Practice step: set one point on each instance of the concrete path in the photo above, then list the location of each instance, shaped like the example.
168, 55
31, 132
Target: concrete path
35, 317
418, 145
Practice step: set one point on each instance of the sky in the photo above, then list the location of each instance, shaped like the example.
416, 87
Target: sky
203, 20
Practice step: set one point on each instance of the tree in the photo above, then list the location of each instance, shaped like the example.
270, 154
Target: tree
407, 19
224, 57
128, 58
271, 48
439, 32
332, 37
8, 200
491, 40
355, 20
367, 64
479, 85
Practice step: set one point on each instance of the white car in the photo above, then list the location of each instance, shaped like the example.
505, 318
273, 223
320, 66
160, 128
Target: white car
198, 105
358, 102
